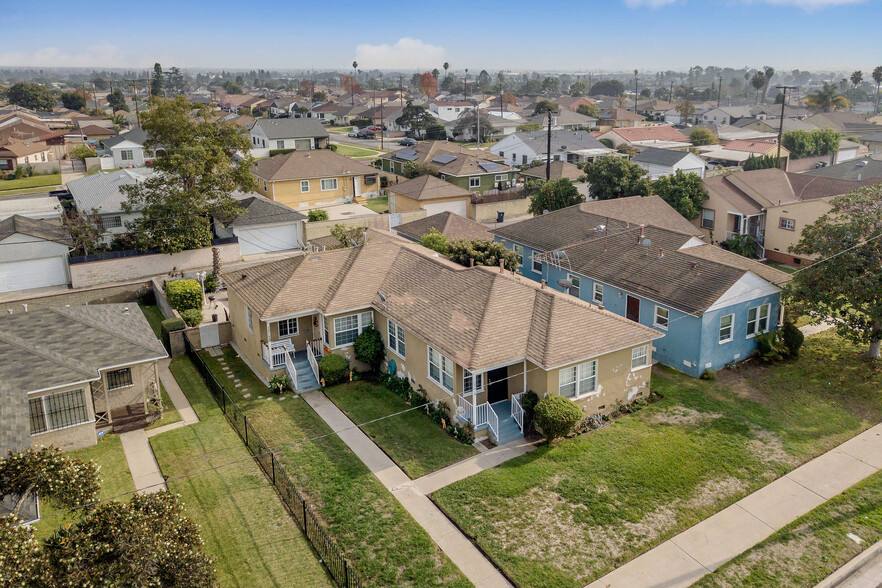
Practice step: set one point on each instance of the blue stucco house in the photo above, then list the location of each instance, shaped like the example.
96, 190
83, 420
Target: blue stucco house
637, 257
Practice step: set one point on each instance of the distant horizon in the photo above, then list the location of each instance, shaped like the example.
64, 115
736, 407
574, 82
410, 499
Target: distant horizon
608, 37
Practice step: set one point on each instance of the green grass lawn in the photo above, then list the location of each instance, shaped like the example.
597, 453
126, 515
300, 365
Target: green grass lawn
384, 544
31, 182
115, 477
567, 514
412, 440
781, 266
812, 547
154, 317
340, 130
379, 204
247, 531
169, 413
351, 151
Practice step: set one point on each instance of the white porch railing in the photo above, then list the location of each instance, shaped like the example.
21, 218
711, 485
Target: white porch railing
481, 411
479, 415
466, 409
274, 352
312, 362
517, 411
492, 421
292, 371
318, 349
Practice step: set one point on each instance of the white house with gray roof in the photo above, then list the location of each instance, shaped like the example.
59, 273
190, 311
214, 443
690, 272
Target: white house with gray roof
101, 192
528, 146
265, 226
127, 149
665, 162
288, 133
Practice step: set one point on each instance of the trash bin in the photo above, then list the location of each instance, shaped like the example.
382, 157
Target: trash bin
500, 216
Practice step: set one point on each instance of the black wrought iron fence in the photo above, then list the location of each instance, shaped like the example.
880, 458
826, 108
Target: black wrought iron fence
340, 570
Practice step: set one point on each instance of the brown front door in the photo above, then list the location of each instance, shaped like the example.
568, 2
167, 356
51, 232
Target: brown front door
633, 312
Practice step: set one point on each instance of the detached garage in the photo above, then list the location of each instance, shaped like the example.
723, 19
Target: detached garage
33, 254
264, 226
431, 194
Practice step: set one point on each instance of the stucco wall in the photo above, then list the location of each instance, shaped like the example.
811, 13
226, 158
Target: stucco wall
143, 374
72, 437
288, 192
316, 229
127, 292
127, 268
486, 212
802, 213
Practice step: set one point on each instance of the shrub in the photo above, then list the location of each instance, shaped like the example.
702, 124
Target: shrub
332, 147
769, 348
169, 325
334, 369
361, 122
82, 152
279, 151
368, 347
529, 400
317, 214
793, 338
146, 296
184, 294
211, 282
709, 375
192, 316
278, 383
557, 416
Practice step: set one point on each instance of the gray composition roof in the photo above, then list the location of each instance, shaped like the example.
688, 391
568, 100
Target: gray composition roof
138, 136
288, 128
34, 228
656, 156
863, 168
102, 190
263, 211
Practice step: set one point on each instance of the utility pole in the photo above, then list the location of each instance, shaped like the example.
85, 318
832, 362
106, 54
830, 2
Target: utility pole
95, 93
636, 78
400, 91
382, 125
478, 117
137, 113
548, 150
781, 122
149, 91
671, 93
719, 90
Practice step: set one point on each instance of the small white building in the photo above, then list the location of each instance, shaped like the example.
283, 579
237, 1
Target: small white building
289, 133
664, 162
449, 111
127, 149
264, 226
525, 147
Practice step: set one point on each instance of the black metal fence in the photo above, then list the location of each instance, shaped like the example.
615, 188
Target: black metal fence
340, 570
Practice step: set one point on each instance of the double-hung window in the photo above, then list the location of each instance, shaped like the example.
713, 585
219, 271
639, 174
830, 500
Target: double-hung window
472, 383
249, 319
726, 323
329, 184
598, 293
758, 320
304, 185
288, 327
440, 370
788, 224
474, 182
661, 317
119, 378
575, 289
280, 144
537, 265
347, 328
396, 338
707, 218
639, 357
57, 411
578, 380
127, 155
519, 251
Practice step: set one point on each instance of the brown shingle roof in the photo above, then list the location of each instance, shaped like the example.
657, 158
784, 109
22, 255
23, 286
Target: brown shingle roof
315, 163
429, 188
448, 223
659, 133
34, 228
559, 169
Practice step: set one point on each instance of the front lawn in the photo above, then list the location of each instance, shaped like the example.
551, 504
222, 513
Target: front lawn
352, 151
247, 531
114, 475
567, 514
379, 204
31, 182
154, 317
811, 548
376, 534
412, 440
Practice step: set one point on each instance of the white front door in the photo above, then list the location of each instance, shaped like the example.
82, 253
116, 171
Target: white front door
356, 185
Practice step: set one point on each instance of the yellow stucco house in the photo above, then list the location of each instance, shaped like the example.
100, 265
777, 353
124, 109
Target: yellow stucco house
305, 179
476, 338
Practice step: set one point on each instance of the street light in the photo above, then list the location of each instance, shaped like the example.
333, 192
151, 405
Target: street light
201, 276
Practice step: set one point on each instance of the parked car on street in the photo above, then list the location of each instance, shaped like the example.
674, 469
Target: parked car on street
407, 142
365, 134
353, 134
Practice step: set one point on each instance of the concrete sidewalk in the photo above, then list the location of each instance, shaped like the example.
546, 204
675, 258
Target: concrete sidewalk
182, 405
142, 462
472, 465
444, 533
703, 548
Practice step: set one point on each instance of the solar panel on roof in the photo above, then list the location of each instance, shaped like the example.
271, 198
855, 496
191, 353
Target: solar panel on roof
444, 159
406, 155
489, 166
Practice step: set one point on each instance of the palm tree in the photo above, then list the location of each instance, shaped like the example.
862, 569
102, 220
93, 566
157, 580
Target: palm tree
758, 81
768, 72
826, 99
436, 73
446, 66
877, 77
856, 78
355, 76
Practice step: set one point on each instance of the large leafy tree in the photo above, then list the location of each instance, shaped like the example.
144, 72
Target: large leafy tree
607, 88
552, 195
826, 99
683, 191
86, 230
815, 142
117, 101
415, 117
615, 177
845, 289
587, 110
544, 106
73, 100
702, 136
157, 83
33, 96
428, 84
468, 123
482, 253
197, 170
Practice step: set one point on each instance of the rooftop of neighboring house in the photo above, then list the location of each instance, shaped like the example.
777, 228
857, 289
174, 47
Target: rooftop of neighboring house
839, 120
96, 131
734, 111
101, 191
564, 117
259, 210
790, 124
38, 229
864, 168
751, 146
480, 317
15, 128
450, 158
561, 141
662, 157
450, 224
459, 103
291, 128
559, 169
306, 164
429, 187
750, 192
656, 105
621, 114
573, 224
656, 133
22, 148
370, 236
137, 136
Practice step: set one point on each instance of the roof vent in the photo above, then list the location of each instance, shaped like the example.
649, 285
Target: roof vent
244, 276
646, 243
125, 310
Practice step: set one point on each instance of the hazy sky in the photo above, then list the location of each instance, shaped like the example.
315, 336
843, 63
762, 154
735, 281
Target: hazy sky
515, 35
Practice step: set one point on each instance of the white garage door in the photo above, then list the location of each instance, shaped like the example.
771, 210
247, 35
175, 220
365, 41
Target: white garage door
460, 207
266, 239
33, 273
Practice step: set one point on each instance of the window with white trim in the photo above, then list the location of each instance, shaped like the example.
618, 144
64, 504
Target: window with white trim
126, 155
288, 327
280, 144
304, 185
347, 328
707, 218
500, 178
440, 370
575, 289
396, 338
249, 319
640, 357
598, 293
111, 222
578, 380
474, 182
661, 317
537, 265
758, 320
117, 379
788, 224
58, 411
329, 184
472, 383
726, 324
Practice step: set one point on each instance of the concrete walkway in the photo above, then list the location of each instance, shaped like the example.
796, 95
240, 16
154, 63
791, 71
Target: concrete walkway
703, 548
444, 533
472, 465
809, 330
